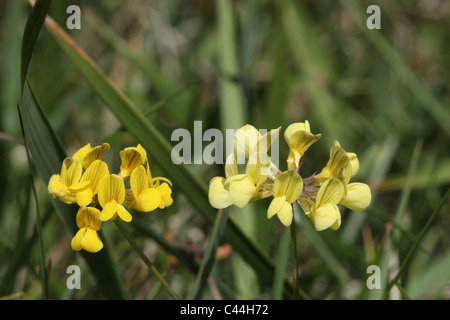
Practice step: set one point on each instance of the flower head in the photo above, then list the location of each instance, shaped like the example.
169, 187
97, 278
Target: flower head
87, 237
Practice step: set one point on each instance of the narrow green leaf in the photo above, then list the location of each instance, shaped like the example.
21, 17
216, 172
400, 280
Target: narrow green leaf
31, 33
210, 254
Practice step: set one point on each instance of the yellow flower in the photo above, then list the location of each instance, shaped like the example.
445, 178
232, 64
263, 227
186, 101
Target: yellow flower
248, 140
341, 164
287, 188
87, 238
299, 138
325, 212
111, 195
59, 184
86, 189
132, 158
163, 188
239, 189
357, 197
144, 198
87, 155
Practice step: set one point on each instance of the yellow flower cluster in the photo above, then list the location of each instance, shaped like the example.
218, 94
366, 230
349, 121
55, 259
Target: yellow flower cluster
102, 195
318, 195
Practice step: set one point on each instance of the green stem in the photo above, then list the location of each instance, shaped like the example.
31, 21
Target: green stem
294, 259
146, 260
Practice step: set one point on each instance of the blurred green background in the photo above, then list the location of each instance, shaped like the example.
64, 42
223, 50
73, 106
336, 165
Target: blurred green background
381, 93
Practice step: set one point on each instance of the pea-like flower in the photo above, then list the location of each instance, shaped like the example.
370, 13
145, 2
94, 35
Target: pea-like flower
319, 195
111, 195
60, 184
87, 238
132, 157
287, 188
325, 212
299, 138
86, 189
239, 189
103, 196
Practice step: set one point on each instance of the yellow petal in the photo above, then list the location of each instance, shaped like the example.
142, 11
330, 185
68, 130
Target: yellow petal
241, 189
246, 141
294, 127
258, 167
166, 198
266, 140
91, 241
95, 173
109, 211
123, 213
81, 153
88, 217
325, 216
288, 184
65, 165
275, 206
218, 197
337, 161
285, 214
95, 153
131, 157
331, 192
73, 174
85, 197
77, 240
111, 188
354, 162
147, 200
231, 166
139, 181
358, 196
55, 186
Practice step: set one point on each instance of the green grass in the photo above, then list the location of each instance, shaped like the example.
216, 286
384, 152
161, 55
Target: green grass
134, 73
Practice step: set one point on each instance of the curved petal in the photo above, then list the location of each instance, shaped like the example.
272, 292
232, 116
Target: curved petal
288, 184
231, 166
84, 197
91, 241
95, 153
166, 198
88, 217
275, 206
148, 200
246, 141
218, 197
358, 196
241, 189
139, 181
109, 211
111, 188
325, 216
77, 240
123, 213
332, 191
285, 214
